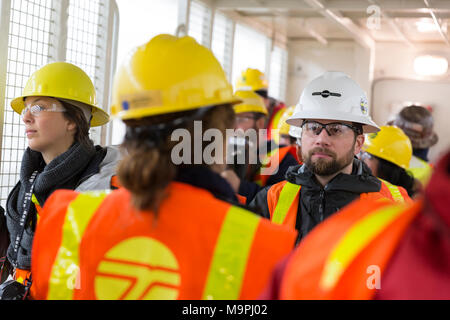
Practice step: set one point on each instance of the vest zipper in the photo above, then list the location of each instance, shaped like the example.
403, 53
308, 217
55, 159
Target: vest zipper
322, 200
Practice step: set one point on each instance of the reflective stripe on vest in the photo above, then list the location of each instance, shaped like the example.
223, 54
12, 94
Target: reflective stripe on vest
230, 256
65, 270
353, 243
395, 192
275, 156
290, 191
287, 196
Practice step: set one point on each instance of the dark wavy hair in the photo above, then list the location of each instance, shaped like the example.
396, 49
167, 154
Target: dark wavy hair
76, 115
396, 175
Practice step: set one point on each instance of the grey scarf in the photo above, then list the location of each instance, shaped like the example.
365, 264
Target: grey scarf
64, 172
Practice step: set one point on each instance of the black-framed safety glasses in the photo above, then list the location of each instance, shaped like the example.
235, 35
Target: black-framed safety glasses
333, 129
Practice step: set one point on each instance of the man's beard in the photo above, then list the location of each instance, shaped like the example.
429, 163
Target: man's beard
326, 167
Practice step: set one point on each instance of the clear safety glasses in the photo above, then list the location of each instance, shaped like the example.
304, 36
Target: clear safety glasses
334, 129
37, 109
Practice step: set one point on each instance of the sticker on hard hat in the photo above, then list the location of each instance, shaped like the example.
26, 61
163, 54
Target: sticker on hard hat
363, 105
326, 94
139, 268
150, 98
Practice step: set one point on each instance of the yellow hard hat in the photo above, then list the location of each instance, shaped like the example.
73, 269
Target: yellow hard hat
252, 79
390, 144
251, 102
169, 74
281, 125
65, 81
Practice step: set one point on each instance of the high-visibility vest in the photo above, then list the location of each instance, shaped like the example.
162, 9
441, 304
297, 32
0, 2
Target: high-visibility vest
283, 198
97, 246
270, 164
421, 170
275, 119
345, 256
23, 275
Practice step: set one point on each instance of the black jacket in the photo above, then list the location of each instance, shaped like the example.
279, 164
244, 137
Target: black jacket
249, 189
318, 203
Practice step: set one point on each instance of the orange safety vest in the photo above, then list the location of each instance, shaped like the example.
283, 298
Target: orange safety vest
97, 246
345, 256
270, 165
283, 198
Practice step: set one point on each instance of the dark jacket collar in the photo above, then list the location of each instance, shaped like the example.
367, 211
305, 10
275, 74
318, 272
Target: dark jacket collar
360, 180
204, 178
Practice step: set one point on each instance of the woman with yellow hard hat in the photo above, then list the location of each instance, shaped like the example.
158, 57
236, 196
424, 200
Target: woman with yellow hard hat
57, 107
388, 153
173, 231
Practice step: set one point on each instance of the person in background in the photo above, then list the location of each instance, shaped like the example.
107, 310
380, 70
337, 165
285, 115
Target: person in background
417, 123
57, 107
333, 115
402, 251
255, 80
266, 165
173, 231
388, 153
289, 136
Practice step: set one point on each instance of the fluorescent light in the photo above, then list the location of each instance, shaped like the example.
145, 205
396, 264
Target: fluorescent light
426, 26
429, 65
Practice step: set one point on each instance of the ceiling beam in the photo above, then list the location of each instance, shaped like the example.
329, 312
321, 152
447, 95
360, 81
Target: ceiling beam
312, 32
252, 4
357, 33
438, 25
393, 24
399, 5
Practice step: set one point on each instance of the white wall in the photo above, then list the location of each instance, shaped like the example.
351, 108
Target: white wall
309, 59
397, 59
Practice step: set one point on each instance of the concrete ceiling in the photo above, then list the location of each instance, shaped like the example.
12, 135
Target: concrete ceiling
365, 21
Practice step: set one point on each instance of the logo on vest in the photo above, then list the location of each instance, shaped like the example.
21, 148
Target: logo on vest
139, 268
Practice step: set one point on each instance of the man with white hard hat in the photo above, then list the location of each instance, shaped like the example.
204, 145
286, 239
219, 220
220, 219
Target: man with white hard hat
333, 115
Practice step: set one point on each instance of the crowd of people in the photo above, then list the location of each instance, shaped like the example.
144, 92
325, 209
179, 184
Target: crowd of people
326, 203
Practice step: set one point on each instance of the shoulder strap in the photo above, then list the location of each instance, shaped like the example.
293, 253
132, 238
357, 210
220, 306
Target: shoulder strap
287, 197
394, 191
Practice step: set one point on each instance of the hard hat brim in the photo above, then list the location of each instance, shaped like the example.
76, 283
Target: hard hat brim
368, 125
99, 117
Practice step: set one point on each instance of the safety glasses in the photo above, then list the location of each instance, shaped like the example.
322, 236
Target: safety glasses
334, 129
36, 110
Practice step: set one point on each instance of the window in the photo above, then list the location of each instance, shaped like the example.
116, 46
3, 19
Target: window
36, 37
250, 48
200, 23
222, 41
278, 73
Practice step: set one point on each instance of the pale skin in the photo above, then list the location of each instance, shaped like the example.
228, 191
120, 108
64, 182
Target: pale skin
50, 133
340, 146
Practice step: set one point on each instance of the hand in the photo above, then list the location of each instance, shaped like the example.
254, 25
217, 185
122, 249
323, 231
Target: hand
232, 179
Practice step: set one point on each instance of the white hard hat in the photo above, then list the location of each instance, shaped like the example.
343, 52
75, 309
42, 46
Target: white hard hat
333, 96
295, 132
